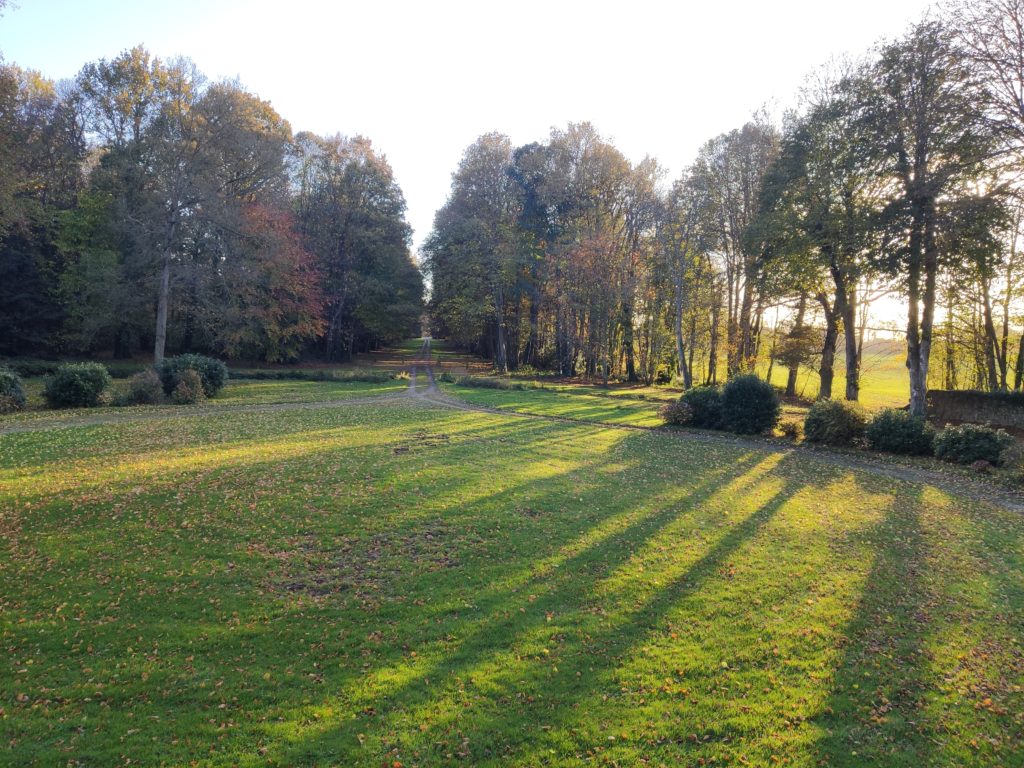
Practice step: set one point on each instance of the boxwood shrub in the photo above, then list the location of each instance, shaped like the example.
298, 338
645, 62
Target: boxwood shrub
77, 385
834, 422
705, 405
12, 394
968, 443
897, 431
750, 405
212, 372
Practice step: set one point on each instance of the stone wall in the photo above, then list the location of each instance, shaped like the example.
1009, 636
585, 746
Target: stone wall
1000, 409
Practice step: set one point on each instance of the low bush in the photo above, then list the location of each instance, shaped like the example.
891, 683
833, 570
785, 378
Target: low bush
750, 406
77, 385
678, 413
896, 431
792, 428
835, 422
12, 394
189, 389
706, 405
144, 388
212, 372
446, 377
968, 443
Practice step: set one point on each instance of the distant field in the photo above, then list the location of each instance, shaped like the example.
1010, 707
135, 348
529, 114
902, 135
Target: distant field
262, 581
884, 382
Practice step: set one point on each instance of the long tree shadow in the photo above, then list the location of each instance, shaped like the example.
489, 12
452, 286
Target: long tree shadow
505, 619
597, 656
875, 713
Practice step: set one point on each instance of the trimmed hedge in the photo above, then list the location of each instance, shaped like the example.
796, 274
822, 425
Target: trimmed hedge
705, 403
212, 372
12, 394
896, 431
835, 422
750, 406
968, 443
77, 385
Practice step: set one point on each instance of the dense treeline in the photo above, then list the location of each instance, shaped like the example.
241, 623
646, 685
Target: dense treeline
898, 174
143, 208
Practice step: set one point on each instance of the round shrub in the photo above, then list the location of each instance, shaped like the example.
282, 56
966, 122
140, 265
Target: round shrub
189, 389
968, 443
750, 406
705, 405
834, 422
12, 394
677, 412
897, 431
77, 385
144, 388
212, 372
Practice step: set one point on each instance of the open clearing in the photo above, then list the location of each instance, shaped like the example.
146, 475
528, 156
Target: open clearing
327, 574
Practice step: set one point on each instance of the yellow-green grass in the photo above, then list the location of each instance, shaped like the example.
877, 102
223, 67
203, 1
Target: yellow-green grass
384, 583
884, 381
570, 402
235, 392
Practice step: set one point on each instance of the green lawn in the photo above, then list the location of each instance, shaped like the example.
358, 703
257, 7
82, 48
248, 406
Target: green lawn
391, 583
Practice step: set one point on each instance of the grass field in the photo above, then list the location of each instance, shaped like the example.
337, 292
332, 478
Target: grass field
393, 582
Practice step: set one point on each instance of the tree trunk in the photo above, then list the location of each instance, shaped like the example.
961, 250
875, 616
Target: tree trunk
501, 351
716, 315
798, 324
162, 301
627, 343
1018, 371
852, 351
682, 369
828, 349
917, 376
995, 363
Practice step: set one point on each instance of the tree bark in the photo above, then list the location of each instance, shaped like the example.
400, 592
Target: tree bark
682, 369
828, 349
163, 295
716, 316
798, 324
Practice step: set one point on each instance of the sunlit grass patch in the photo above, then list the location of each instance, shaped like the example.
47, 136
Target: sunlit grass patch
396, 582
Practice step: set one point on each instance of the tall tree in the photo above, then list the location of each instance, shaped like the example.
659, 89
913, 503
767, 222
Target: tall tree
919, 105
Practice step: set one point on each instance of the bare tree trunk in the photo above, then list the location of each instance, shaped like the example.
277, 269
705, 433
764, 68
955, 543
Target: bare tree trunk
501, 351
915, 356
716, 315
161, 306
995, 363
950, 362
798, 324
1018, 371
828, 349
682, 369
163, 295
743, 361
849, 316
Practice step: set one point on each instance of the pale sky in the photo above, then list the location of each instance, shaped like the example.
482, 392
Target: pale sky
424, 79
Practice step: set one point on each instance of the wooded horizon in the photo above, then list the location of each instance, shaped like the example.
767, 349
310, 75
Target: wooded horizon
146, 209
